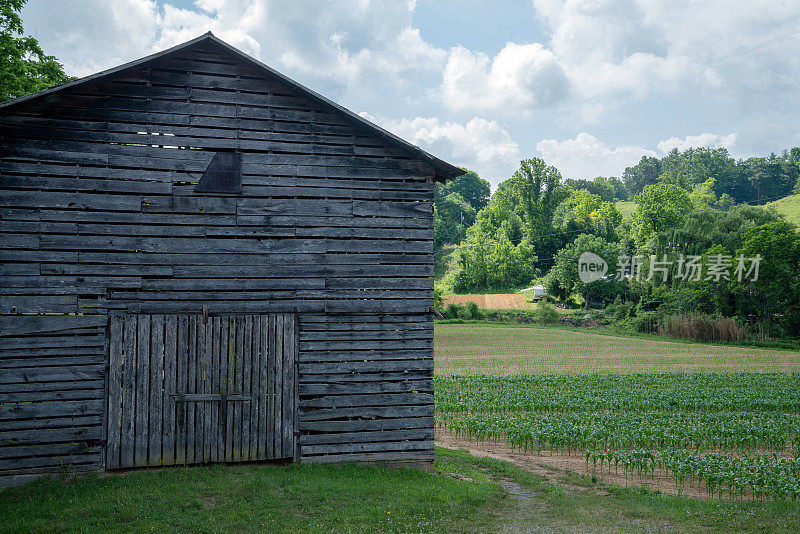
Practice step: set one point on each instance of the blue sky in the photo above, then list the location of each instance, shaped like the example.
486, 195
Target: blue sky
589, 85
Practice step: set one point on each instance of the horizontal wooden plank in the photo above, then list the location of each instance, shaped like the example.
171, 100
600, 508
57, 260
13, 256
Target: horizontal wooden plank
366, 437
38, 303
326, 388
52, 374
377, 399
366, 367
51, 409
50, 449
50, 435
358, 425
373, 457
32, 325
386, 412
348, 448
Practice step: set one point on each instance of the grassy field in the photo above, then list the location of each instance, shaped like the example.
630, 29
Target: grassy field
789, 207
465, 494
469, 349
626, 208
254, 498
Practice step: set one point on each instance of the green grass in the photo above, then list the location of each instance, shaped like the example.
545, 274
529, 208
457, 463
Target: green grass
502, 350
789, 207
463, 495
254, 498
626, 208
581, 505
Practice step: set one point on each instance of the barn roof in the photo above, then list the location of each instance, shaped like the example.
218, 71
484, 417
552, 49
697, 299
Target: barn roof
444, 170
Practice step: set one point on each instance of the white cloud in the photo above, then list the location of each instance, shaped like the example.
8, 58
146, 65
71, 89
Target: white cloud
341, 41
92, 35
518, 79
587, 157
479, 144
726, 48
708, 140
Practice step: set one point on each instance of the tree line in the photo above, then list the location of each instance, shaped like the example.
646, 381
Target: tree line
698, 205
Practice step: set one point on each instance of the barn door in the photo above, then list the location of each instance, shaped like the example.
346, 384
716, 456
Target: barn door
182, 390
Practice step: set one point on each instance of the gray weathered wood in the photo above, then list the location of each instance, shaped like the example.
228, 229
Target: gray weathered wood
191, 381
246, 388
182, 371
114, 392
127, 433
142, 388
334, 224
287, 389
170, 387
155, 410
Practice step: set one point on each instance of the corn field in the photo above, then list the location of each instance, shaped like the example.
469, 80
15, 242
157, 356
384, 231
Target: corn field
733, 434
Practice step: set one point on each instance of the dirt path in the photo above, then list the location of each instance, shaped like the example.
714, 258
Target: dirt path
556, 468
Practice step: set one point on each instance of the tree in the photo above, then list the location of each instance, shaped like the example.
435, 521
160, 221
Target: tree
703, 196
447, 213
660, 207
563, 280
471, 187
24, 67
776, 293
583, 210
599, 186
644, 173
536, 188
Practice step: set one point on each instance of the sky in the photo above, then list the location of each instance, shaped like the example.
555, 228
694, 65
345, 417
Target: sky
590, 86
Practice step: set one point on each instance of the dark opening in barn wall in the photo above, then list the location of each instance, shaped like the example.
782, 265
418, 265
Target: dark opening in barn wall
223, 174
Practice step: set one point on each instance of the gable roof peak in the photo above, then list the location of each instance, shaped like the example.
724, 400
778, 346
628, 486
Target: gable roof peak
443, 169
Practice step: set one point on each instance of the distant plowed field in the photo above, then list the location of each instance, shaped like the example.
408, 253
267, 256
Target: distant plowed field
470, 349
510, 301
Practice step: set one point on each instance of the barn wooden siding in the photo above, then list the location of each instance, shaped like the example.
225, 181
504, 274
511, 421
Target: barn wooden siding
98, 216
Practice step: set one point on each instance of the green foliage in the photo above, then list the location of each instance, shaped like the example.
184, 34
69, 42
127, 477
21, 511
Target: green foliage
447, 219
776, 293
563, 278
608, 189
463, 197
544, 313
469, 186
789, 207
686, 206
24, 67
750, 180
535, 190
660, 207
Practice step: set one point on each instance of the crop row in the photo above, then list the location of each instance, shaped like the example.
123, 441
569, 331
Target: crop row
577, 431
731, 433
757, 392
760, 475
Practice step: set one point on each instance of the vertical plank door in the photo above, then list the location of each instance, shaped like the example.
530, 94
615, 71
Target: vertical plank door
188, 390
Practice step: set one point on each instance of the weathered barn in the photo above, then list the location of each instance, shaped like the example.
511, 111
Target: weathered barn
204, 261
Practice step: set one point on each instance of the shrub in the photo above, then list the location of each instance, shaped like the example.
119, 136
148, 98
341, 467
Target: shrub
704, 327
645, 322
545, 314
464, 312
453, 311
474, 311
